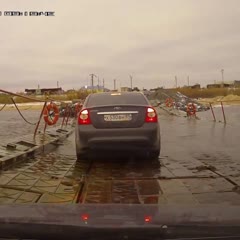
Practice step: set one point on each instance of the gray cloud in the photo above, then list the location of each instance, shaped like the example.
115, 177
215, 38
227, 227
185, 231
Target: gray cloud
153, 40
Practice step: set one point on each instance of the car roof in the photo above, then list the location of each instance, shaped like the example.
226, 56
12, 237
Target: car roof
105, 98
118, 93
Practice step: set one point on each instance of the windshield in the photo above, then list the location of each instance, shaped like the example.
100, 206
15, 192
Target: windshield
119, 115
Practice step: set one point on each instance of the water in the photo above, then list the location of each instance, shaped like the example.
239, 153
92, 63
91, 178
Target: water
12, 125
232, 114
184, 138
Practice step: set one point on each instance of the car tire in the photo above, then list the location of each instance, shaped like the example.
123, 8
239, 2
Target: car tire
154, 155
81, 156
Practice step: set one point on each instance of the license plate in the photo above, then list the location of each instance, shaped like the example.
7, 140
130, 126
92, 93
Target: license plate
118, 117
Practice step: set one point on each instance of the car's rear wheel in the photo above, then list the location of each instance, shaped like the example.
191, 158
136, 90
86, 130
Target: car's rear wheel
82, 156
153, 155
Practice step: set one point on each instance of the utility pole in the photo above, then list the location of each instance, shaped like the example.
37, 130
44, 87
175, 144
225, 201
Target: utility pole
98, 83
114, 83
188, 80
131, 81
103, 84
222, 71
92, 76
176, 81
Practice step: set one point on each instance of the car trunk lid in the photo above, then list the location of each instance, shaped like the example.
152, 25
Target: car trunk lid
121, 116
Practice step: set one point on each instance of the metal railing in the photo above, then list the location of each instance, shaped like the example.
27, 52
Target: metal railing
222, 108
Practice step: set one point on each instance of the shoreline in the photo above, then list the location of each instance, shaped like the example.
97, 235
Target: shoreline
207, 101
11, 107
230, 100
24, 106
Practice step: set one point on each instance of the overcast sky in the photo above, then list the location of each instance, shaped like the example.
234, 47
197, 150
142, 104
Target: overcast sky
153, 40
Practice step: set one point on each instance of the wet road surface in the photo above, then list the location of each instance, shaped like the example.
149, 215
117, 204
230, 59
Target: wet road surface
199, 164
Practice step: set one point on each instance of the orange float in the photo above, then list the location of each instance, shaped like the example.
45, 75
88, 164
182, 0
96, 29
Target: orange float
47, 115
191, 109
169, 102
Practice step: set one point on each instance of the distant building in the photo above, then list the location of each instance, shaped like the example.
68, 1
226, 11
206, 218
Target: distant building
96, 88
219, 85
125, 89
43, 91
236, 83
196, 86
225, 84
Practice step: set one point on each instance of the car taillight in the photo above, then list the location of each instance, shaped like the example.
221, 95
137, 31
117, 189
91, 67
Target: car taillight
147, 219
151, 115
85, 217
84, 117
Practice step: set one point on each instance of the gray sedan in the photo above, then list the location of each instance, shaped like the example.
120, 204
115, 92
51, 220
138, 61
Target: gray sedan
117, 121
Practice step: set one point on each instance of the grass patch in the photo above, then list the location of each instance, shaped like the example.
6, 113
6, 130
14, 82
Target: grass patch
5, 99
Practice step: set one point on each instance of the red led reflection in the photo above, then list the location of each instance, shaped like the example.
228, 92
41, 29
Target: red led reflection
148, 219
85, 217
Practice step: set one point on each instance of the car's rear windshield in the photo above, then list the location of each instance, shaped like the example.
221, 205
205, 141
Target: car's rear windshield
116, 99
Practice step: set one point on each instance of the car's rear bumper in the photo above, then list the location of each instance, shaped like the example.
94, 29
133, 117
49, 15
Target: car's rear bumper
146, 137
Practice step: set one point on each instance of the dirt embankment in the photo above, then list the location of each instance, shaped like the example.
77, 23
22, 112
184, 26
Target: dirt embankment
227, 100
